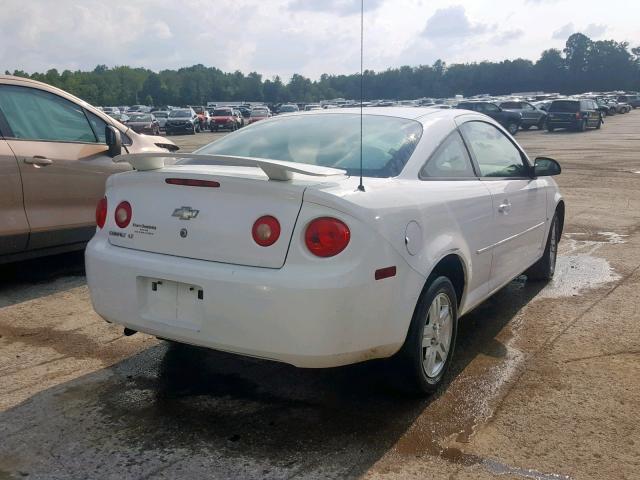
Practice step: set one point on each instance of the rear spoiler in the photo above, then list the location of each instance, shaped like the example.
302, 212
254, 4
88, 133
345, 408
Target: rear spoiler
274, 169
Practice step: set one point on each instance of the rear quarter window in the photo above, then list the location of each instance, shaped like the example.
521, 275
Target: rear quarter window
565, 106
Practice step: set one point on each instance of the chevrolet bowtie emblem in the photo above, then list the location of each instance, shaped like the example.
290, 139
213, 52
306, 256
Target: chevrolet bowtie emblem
185, 213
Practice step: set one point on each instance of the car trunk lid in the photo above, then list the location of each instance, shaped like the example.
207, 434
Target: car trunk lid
212, 221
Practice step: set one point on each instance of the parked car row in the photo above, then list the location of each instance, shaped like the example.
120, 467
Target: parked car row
513, 112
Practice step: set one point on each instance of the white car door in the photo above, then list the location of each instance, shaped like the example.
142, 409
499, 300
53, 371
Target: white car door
519, 201
449, 177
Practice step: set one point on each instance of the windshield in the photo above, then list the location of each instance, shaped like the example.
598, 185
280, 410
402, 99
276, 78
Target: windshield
288, 108
180, 113
141, 118
329, 140
259, 113
221, 113
160, 114
565, 106
468, 106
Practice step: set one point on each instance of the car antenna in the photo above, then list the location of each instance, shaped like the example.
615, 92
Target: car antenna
361, 185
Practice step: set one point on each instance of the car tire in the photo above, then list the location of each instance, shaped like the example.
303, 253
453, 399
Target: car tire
550, 129
422, 366
544, 269
582, 126
512, 128
526, 127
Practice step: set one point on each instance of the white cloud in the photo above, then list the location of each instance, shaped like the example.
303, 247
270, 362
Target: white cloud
286, 36
593, 31
452, 22
507, 36
340, 7
564, 32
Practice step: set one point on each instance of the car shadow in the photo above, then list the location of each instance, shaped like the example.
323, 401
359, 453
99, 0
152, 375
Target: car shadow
242, 417
29, 279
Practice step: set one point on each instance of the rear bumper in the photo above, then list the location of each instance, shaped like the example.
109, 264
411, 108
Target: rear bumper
179, 128
553, 123
298, 315
223, 125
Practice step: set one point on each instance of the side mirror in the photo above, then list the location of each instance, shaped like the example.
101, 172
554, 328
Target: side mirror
114, 140
546, 167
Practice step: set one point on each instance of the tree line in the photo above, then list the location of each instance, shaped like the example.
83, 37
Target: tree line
583, 65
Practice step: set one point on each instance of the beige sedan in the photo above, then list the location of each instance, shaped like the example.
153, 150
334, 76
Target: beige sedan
56, 151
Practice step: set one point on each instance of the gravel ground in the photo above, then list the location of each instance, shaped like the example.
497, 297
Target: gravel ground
545, 384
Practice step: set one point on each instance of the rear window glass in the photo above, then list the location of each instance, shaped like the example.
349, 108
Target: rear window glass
565, 106
259, 113
221, 113
180, 113
511, 105
328, 140
140, 118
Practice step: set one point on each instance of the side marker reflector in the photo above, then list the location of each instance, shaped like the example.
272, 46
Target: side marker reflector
385, 273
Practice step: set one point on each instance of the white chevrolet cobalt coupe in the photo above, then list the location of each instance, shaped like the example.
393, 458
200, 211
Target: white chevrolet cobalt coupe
264, 244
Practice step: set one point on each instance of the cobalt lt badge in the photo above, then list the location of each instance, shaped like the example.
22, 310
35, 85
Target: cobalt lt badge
183, 232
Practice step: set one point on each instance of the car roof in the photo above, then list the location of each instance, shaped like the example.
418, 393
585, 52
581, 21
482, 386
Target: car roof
483, 101
410, 113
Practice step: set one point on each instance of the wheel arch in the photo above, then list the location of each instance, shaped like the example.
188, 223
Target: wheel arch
452, 266
560, 212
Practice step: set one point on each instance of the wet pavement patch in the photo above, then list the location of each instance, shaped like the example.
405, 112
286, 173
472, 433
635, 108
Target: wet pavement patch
579, 269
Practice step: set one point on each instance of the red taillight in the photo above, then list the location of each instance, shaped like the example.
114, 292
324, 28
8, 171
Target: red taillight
192, 182
326, 237
266, 231
578, 115
123, 214
101, 212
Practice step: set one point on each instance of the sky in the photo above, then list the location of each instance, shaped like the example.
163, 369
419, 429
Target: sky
310, 37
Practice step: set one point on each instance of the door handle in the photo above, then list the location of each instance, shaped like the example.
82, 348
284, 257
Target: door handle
505, 207
38, 161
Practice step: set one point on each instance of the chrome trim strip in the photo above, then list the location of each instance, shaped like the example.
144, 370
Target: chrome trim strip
508, 239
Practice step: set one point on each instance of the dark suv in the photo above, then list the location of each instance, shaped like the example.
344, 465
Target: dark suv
531, 116
509, 120
633, 100
574, 114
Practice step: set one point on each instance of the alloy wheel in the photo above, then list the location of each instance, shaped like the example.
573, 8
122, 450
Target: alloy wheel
553, 248
436, 335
